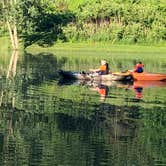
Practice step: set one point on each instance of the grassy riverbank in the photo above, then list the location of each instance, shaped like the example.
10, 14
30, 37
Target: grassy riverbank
95, 47
102, 50
99, 48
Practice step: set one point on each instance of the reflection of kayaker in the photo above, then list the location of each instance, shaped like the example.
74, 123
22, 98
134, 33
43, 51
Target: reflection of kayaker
138, 91
102, 90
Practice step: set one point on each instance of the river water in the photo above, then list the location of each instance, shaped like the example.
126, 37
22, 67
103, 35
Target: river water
48, 121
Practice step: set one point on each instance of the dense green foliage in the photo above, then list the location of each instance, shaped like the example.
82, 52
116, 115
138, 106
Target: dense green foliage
41, 22
2, 26
116, 21
119, 21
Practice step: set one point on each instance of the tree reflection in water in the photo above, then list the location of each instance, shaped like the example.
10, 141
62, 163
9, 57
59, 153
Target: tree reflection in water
29, 137
44, 126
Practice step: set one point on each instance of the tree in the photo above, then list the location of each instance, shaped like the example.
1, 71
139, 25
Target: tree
9, 15
35, 21
41, 21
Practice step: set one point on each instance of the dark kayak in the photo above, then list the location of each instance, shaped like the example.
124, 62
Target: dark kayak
95, 76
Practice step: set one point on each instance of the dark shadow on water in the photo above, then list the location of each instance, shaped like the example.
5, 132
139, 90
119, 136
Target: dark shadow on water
70, 123
101, 115
63, 82
35, 69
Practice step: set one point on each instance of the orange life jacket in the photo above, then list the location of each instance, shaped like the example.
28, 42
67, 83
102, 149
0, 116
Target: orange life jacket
104, 69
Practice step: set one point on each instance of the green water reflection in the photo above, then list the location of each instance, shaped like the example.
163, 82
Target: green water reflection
44, 122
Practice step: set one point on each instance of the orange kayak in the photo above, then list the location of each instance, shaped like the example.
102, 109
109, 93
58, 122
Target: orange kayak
149, 76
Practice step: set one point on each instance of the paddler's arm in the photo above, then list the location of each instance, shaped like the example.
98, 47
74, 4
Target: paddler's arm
94, 70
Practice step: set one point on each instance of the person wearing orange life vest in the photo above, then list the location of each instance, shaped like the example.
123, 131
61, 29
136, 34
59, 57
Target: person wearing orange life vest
103, 69
138, 68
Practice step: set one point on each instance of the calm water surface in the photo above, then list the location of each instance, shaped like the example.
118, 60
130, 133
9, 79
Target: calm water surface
48, 121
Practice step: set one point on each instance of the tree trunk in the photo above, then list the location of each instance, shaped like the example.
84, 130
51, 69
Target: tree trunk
11, 34
11, 24
15, 36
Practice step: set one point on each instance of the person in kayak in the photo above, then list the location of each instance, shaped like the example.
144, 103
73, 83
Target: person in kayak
138, 68
103, 69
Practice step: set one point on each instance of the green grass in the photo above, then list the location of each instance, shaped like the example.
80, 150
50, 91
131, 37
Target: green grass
103, 51
101, 47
